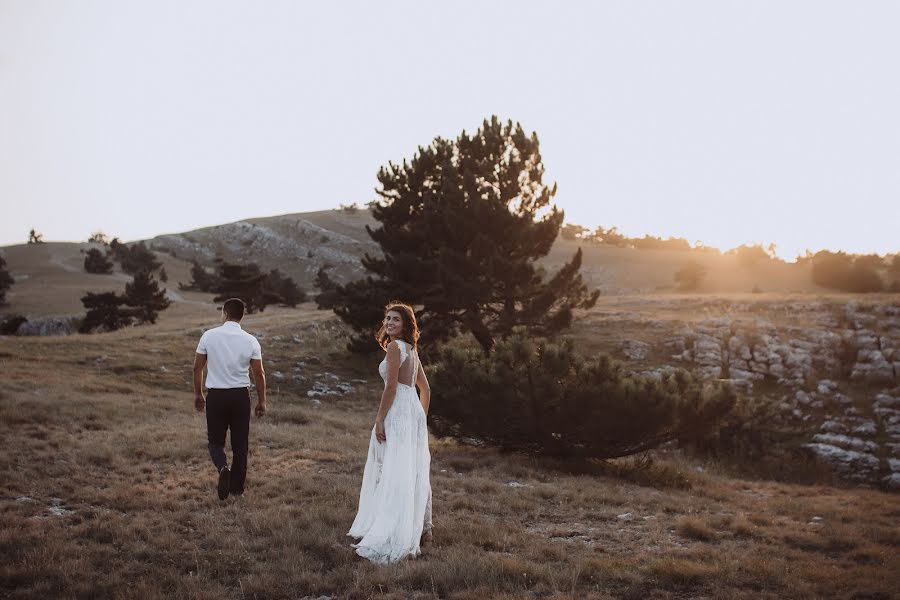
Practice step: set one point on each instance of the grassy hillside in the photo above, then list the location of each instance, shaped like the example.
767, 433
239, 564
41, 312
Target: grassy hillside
50, 278
109, 493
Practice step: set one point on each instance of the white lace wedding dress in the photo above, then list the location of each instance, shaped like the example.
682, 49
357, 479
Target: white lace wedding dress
395, 499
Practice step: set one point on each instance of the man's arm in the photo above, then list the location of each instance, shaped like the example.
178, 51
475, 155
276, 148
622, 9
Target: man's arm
199, 364
259, 379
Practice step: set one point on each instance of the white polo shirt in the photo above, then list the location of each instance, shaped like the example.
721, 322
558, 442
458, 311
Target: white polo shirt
228, 351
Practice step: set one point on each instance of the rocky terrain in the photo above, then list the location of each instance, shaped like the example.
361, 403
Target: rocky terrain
297, 244
830, 367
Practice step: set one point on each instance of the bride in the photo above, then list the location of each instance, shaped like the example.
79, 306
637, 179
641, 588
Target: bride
394, 516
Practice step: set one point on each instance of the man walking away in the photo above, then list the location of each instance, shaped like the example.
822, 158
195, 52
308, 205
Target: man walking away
229, 352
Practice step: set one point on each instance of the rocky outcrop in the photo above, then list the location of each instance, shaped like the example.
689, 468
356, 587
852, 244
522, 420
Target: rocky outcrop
49, 326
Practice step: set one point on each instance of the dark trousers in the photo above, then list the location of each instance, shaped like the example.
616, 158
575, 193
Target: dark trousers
229, 409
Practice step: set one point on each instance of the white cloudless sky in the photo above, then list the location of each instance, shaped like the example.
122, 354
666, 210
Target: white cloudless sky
722, 121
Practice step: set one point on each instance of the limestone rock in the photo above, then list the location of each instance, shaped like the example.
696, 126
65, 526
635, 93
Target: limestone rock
847, 464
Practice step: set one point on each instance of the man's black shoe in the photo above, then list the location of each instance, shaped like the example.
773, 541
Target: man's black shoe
224, 483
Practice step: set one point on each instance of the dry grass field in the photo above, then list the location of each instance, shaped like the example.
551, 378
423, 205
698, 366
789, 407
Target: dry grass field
108, 492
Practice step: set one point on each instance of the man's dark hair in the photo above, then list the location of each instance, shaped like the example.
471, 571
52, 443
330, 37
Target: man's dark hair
234, 309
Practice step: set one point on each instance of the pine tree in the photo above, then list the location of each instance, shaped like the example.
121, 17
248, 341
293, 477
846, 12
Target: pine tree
533, 395
163, 276
143, 294
201, 280
105, 312
6, 280
246, 282
34, 237
134, 258
461, 227
327, 296
97, 262
285, 287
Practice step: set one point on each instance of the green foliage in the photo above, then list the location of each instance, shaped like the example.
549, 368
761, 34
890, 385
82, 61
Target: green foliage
327, 297
201, 279
6, 280
250, 284
530, 394
247, 282
841, 271
34, 237
141, 303
690, 275
134, 258
106, 312
289, 292
145, 297
461, 227
97, 262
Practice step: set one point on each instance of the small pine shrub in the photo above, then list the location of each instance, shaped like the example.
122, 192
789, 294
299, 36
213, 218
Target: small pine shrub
530, 394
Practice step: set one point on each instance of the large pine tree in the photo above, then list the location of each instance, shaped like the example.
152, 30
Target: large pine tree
462, 226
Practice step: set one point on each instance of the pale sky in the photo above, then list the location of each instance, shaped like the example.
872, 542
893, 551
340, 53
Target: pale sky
726, 122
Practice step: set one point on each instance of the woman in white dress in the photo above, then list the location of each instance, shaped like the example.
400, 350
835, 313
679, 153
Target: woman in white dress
394, 517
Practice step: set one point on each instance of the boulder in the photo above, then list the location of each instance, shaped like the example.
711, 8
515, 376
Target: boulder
845, 442
836, 427
866, 428
847, 464
48, 326
635, 349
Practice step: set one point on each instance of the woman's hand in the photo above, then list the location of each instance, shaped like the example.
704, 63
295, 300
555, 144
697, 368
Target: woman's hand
379, 431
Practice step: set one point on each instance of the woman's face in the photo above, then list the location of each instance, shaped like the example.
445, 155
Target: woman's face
393, 323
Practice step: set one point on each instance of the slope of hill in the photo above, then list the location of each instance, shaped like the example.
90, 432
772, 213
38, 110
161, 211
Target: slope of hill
300, 244
50, 278
296, 244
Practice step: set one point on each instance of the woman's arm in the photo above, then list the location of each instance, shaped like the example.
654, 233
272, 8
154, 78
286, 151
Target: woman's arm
424, 389
390, 389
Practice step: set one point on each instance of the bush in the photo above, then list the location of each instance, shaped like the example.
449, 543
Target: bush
532, 395
134, 258
105, 312
750, 256
201, 280
689, 276
841, 271
97, 262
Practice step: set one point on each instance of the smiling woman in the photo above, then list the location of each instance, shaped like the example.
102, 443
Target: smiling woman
394, 517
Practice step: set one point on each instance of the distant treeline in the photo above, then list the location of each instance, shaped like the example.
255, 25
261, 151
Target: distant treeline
859, 273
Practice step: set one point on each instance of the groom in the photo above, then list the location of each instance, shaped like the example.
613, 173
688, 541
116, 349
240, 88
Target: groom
229, 352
